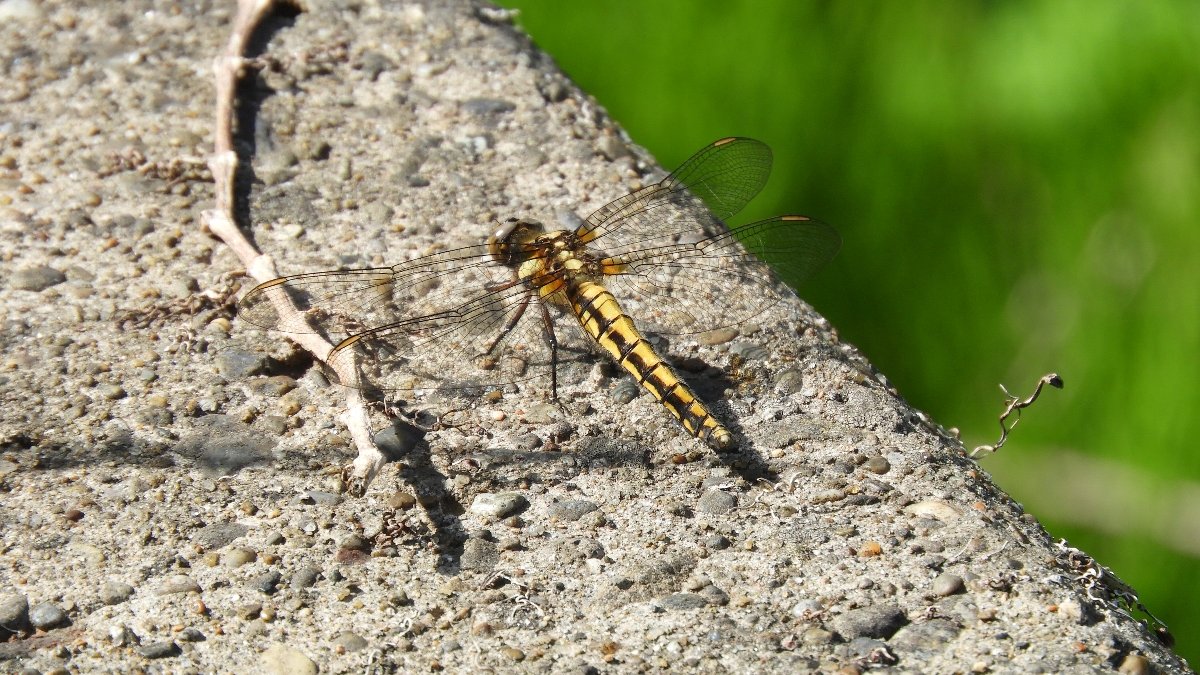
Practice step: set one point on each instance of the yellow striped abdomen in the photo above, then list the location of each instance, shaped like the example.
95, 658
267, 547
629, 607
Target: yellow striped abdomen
601, 317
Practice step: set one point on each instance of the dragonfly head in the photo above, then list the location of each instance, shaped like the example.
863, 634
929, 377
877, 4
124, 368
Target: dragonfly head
506, 242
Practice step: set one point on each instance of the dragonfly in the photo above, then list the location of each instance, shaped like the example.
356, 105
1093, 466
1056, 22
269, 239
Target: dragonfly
659, 261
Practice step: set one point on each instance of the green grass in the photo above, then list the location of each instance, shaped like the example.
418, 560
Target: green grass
1017, 185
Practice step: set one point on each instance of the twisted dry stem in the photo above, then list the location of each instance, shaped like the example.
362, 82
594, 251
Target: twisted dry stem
1015, 405
228, 67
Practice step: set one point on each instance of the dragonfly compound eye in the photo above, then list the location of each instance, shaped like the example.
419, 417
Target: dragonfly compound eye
511, 232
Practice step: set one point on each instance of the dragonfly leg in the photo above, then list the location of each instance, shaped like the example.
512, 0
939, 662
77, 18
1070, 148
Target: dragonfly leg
548, 325
512, 321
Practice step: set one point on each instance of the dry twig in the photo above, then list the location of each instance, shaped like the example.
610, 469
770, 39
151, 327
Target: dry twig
1015, 405
228, 67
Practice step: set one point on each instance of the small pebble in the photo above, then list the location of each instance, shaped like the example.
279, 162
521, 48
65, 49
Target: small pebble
14, 611
47, 615
318, 497
715, 596
1135, 664
878, 465
401, 500
717, 502
479, 554
716, 542
684, 601
717, 337
275, 386
236, 557
541, 413
355, 542
289, 406
513, 653
122, 635
488, 106
351, 556
115, 592
870, 549
625, 391
351, 642
501, 505
305, 577
789, 381
249, 611
159, 650
267, 582
190, 634
110, 392
398, 440
570, 510
817, 636
280, 659
826, 495
178, 584
750, 351
807, 609
612, 147
35, 278
875, 621
947, 584
236, 364
528, 442
936, 509
218, 535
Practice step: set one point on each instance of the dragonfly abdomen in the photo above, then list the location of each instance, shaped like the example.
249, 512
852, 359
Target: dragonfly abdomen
602, 319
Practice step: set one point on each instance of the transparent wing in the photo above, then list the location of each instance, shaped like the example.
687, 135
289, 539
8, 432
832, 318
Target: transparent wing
682, 268
495, 339
424, 324
711, 186
344, 302
723, 280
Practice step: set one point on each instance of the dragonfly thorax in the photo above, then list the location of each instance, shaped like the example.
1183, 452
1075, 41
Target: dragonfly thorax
540, 256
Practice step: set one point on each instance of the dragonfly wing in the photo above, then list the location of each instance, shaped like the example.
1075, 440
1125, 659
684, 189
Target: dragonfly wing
725, 279
317, 301
448, 349
711, 186
491, 341
343, 302
424, 324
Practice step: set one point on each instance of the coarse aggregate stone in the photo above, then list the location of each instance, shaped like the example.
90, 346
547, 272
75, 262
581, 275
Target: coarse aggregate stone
36, 278
47, 616
171, 475
571, 509
115, 592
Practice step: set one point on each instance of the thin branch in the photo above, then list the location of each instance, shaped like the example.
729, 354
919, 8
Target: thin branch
220, 220
1015, 405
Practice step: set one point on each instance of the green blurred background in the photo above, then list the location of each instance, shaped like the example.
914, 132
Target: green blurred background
1016, 183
